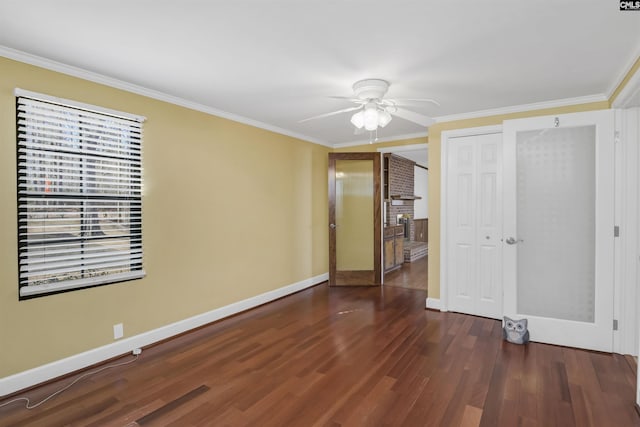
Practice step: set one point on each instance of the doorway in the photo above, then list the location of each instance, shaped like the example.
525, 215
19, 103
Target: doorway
405, 215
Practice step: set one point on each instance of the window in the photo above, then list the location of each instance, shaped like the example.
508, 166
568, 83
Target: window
79, 195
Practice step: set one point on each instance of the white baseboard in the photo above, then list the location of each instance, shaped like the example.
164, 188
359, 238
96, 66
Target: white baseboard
52, 370
433, 303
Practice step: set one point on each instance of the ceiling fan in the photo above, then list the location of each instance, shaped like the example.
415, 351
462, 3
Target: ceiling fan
374, 110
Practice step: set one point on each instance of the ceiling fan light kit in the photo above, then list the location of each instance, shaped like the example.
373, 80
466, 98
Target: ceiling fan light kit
373, 111
358, 119
370, 89
371, 117
374, 114
383, 118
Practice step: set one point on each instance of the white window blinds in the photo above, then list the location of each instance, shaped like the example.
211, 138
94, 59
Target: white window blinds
79, 195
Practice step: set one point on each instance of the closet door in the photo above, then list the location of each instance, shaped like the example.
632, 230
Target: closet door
559, 227
474, 250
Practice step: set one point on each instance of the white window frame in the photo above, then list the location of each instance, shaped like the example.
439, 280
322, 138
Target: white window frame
79, 179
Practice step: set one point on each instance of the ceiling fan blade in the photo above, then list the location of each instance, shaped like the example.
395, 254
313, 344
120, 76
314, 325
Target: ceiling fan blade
413, 117
400, 100
333, 113
349, 98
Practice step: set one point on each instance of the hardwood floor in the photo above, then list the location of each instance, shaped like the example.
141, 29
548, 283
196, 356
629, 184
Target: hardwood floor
346, 357
412, 275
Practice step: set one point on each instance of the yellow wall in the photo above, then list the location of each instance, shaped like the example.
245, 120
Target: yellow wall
229, 212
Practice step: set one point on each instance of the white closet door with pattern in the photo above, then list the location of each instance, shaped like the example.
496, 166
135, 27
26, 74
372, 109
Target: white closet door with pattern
559, 227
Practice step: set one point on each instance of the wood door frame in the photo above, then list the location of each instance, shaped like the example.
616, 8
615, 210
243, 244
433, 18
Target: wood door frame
354, 278
442, 304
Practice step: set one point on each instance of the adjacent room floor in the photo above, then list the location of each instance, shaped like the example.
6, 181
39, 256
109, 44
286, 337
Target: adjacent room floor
347, 357
412, 275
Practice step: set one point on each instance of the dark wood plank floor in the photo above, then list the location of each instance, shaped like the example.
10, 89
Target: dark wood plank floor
347, 357
412, 275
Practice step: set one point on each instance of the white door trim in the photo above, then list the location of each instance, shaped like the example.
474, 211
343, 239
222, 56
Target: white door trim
628, 97
444, 194
627, 210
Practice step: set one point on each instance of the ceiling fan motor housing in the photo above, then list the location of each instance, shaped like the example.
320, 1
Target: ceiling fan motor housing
370, 88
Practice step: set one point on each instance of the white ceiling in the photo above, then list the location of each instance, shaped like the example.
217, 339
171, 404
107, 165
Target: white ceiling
277, 62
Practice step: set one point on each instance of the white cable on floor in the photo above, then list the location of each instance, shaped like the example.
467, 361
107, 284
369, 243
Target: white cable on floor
26, 399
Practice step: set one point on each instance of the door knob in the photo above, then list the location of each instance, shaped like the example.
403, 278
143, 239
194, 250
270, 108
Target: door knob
511, 241
332, 225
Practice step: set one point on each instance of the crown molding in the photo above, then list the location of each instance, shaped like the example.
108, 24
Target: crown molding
161, 96
524, 107
381, 140
401, 148
59, 67
626, 96
623, 73
632, 87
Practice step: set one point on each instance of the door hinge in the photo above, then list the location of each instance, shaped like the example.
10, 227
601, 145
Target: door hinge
616, 231
616, 136
615, 324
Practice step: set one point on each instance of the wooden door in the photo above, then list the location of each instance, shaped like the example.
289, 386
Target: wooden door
355, 223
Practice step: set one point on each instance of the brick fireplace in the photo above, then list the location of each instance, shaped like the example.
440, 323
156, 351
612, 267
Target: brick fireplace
400, 183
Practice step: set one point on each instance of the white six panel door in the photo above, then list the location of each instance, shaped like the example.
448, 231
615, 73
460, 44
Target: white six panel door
559, 219
474, 267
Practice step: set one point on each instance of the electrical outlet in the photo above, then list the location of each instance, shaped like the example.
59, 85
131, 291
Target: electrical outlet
118, 331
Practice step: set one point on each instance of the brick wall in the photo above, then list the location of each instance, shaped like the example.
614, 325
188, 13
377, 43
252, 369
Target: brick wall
401, 183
